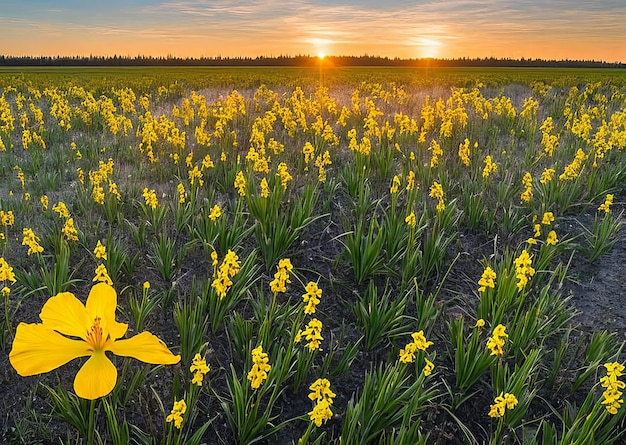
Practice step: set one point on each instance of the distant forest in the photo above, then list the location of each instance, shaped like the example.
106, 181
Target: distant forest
364, 60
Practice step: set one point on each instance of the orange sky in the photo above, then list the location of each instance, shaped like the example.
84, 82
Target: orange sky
398, 28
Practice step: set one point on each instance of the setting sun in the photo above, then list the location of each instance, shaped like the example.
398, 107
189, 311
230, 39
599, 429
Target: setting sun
428, 47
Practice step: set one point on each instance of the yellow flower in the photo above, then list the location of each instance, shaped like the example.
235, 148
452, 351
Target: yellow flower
501, 404
176, 415
146, 285
6, 271
394, 185
151, 198
496, 341
265, 189
182, 193
487, 279
312, 333
320, 390
31, 240
260, 367
323, 397
100, 251
606, 205
70, 330
240, 183
101, 275
407, 354
523, 269
312, 297
428, 367
552, 239
7, 218
61, 209
216, 212
420, 340
321, 412
612, 395
490, 167
69, 230
281, 277
547, 218
479, 323
411, 220
199, 368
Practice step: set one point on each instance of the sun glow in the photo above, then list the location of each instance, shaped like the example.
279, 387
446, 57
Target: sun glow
428, 47
320, 46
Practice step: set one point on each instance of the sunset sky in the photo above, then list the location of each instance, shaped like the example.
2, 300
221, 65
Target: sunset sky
559, 29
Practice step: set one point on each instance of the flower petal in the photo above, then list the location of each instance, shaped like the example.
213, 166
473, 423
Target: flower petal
102, 302
38, 349
96, 378
66, 314
146, 347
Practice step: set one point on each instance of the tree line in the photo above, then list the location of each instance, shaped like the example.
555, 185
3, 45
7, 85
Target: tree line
300, 60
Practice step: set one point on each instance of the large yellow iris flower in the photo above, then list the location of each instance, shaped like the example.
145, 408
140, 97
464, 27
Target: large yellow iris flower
70, 329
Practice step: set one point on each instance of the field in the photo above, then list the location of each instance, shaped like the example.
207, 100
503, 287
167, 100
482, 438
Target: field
312, 255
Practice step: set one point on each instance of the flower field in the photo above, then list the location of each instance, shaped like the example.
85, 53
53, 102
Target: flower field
318, 255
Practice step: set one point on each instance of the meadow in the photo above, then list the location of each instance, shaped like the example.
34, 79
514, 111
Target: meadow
312, 255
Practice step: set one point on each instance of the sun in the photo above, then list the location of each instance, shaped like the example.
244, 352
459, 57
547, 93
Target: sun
320, 46
429, 47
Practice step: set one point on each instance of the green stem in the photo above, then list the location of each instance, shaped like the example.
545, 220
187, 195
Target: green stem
7, 320
91, 429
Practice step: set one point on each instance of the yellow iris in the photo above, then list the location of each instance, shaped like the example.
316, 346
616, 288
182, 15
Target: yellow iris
70, 329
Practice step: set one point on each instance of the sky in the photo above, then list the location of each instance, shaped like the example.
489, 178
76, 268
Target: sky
558, 29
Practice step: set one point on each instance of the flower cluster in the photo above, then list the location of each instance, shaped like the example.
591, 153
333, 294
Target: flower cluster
283, 174
240, 183
606, 205
552, 238
260, 367
7, 218
151, 198
61, 209
496, 341
312, 297
69, 230
281, 277
102, 275
487, 279
436, 192
222, 275
6, 274
523, 269
312, 333
323, 397
31, 240
199, 368
411, 220
501, 403
215, 213
176, 415
407, 354
612, 393
100, 251
490, 167
527, 182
